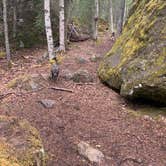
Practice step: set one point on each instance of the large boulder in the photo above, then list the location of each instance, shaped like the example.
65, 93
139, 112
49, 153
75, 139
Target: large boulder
136, 65
20, 143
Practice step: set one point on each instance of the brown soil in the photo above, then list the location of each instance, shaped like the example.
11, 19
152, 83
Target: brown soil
93, 113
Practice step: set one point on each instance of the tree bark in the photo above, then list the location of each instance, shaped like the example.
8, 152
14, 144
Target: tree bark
96, 17
48, 29
14, 19
120, 22
61, 26
6, 31
125, 12
111, 18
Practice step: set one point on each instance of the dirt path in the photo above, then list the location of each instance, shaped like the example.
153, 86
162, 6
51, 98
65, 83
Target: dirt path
93, 113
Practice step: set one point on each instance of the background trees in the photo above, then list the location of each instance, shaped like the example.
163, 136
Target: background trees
6, 34
26, 19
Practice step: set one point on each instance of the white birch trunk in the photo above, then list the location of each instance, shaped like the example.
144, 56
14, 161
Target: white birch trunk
111, 18
125, 13
61, 26
6, 31
48, 29
95, 31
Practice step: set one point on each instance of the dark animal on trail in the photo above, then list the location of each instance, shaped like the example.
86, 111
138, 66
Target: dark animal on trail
54, 71
113, 36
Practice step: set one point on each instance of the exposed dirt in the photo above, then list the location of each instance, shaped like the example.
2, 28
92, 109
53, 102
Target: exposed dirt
92, 113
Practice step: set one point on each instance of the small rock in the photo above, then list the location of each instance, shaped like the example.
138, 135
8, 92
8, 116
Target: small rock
81, 60
93, 155
66, 74
47, 103
95, 58
34, 86
82, 76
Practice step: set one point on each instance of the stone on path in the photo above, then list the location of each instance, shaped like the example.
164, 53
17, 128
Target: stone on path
28, 82
90, 153
47, 103
95, 58
81, 60
82, 76
67, 74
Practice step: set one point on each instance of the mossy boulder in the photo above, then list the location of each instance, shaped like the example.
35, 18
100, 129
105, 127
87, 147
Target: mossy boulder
82, 76
20, 143
28, 82
136, 65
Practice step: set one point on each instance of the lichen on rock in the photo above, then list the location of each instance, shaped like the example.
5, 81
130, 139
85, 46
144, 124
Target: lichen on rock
136, 65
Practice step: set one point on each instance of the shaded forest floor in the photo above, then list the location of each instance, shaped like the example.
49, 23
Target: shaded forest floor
92, 113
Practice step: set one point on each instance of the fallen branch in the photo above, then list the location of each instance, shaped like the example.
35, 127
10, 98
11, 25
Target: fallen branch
85, 83
61, 89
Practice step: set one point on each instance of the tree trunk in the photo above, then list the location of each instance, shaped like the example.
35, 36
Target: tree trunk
14, 19
48, 29
68, 12
111, 20
6, 31
125, 13
120, 22
61, 26
96, 17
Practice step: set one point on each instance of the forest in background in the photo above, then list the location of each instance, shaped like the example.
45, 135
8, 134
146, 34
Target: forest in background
26, 19
82, 82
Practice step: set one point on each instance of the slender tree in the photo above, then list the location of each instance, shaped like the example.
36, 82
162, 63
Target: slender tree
96, 16
121, 18
6, 31
61, 26
125, 12
14, 18
48, 29
111, 20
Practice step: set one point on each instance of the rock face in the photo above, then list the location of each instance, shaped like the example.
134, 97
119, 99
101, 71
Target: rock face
136, 65
20, 143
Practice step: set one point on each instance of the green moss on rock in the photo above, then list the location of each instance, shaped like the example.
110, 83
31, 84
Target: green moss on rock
136, 65
20, 143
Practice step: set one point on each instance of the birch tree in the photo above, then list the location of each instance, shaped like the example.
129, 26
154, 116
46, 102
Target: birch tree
6, 34
61, 26
125, 12
111, 20
121, 18
14, 18
96, 16
48, 29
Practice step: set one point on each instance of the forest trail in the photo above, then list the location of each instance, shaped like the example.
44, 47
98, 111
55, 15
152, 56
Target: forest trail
92, 113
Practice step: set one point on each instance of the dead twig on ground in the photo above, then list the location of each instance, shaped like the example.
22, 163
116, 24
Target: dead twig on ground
85, 83
61, 89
